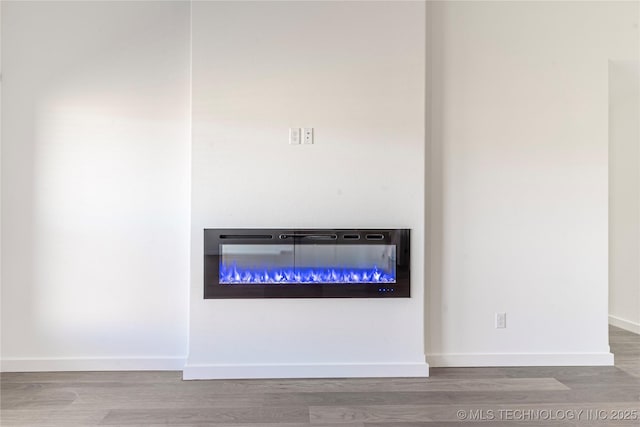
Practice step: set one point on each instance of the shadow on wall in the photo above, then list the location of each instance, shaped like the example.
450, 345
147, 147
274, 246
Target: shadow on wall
434, 183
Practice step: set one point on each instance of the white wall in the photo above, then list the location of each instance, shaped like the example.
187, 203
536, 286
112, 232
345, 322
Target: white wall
95, 179
355, 72
518, 176
95, 185
624, 200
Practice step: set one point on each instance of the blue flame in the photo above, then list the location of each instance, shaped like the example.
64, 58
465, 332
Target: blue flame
232, 274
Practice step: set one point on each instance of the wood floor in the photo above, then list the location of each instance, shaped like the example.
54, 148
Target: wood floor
562, 396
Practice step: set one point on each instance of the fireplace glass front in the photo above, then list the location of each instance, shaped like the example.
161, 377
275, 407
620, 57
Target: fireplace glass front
268, 263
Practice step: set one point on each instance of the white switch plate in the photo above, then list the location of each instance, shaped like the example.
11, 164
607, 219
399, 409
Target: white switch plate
501, 320
294, 136
307, 135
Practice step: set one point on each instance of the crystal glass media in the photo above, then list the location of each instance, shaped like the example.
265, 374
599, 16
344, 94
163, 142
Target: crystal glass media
291, 264
310, 263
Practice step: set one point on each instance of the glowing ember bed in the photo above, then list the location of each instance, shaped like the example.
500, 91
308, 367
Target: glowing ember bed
282, 263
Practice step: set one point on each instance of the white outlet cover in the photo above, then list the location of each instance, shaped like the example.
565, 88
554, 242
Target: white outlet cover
307, 135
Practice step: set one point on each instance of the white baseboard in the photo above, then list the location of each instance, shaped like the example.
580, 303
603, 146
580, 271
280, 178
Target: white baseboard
627, 325
519, 359
91, 364
205, 372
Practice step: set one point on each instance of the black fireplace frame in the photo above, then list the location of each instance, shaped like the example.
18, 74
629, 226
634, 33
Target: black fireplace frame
214, 238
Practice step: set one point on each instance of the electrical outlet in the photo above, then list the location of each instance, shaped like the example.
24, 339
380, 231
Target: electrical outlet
294, 136
307, 136
501, 320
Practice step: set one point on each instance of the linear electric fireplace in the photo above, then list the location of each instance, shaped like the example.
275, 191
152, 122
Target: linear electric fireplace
309, 263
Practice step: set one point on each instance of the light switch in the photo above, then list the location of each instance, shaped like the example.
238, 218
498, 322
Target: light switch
294, 136
501, 320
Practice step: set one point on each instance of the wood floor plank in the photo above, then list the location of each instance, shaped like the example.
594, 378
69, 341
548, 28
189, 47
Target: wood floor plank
369, 414
249, 425
585, 373
210, 416
500, 424
145, 398
468, 424
181, 399
56, 418
259, 387
37, 401
632, 370
386, 385
616, 394
451, 413
119, 377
